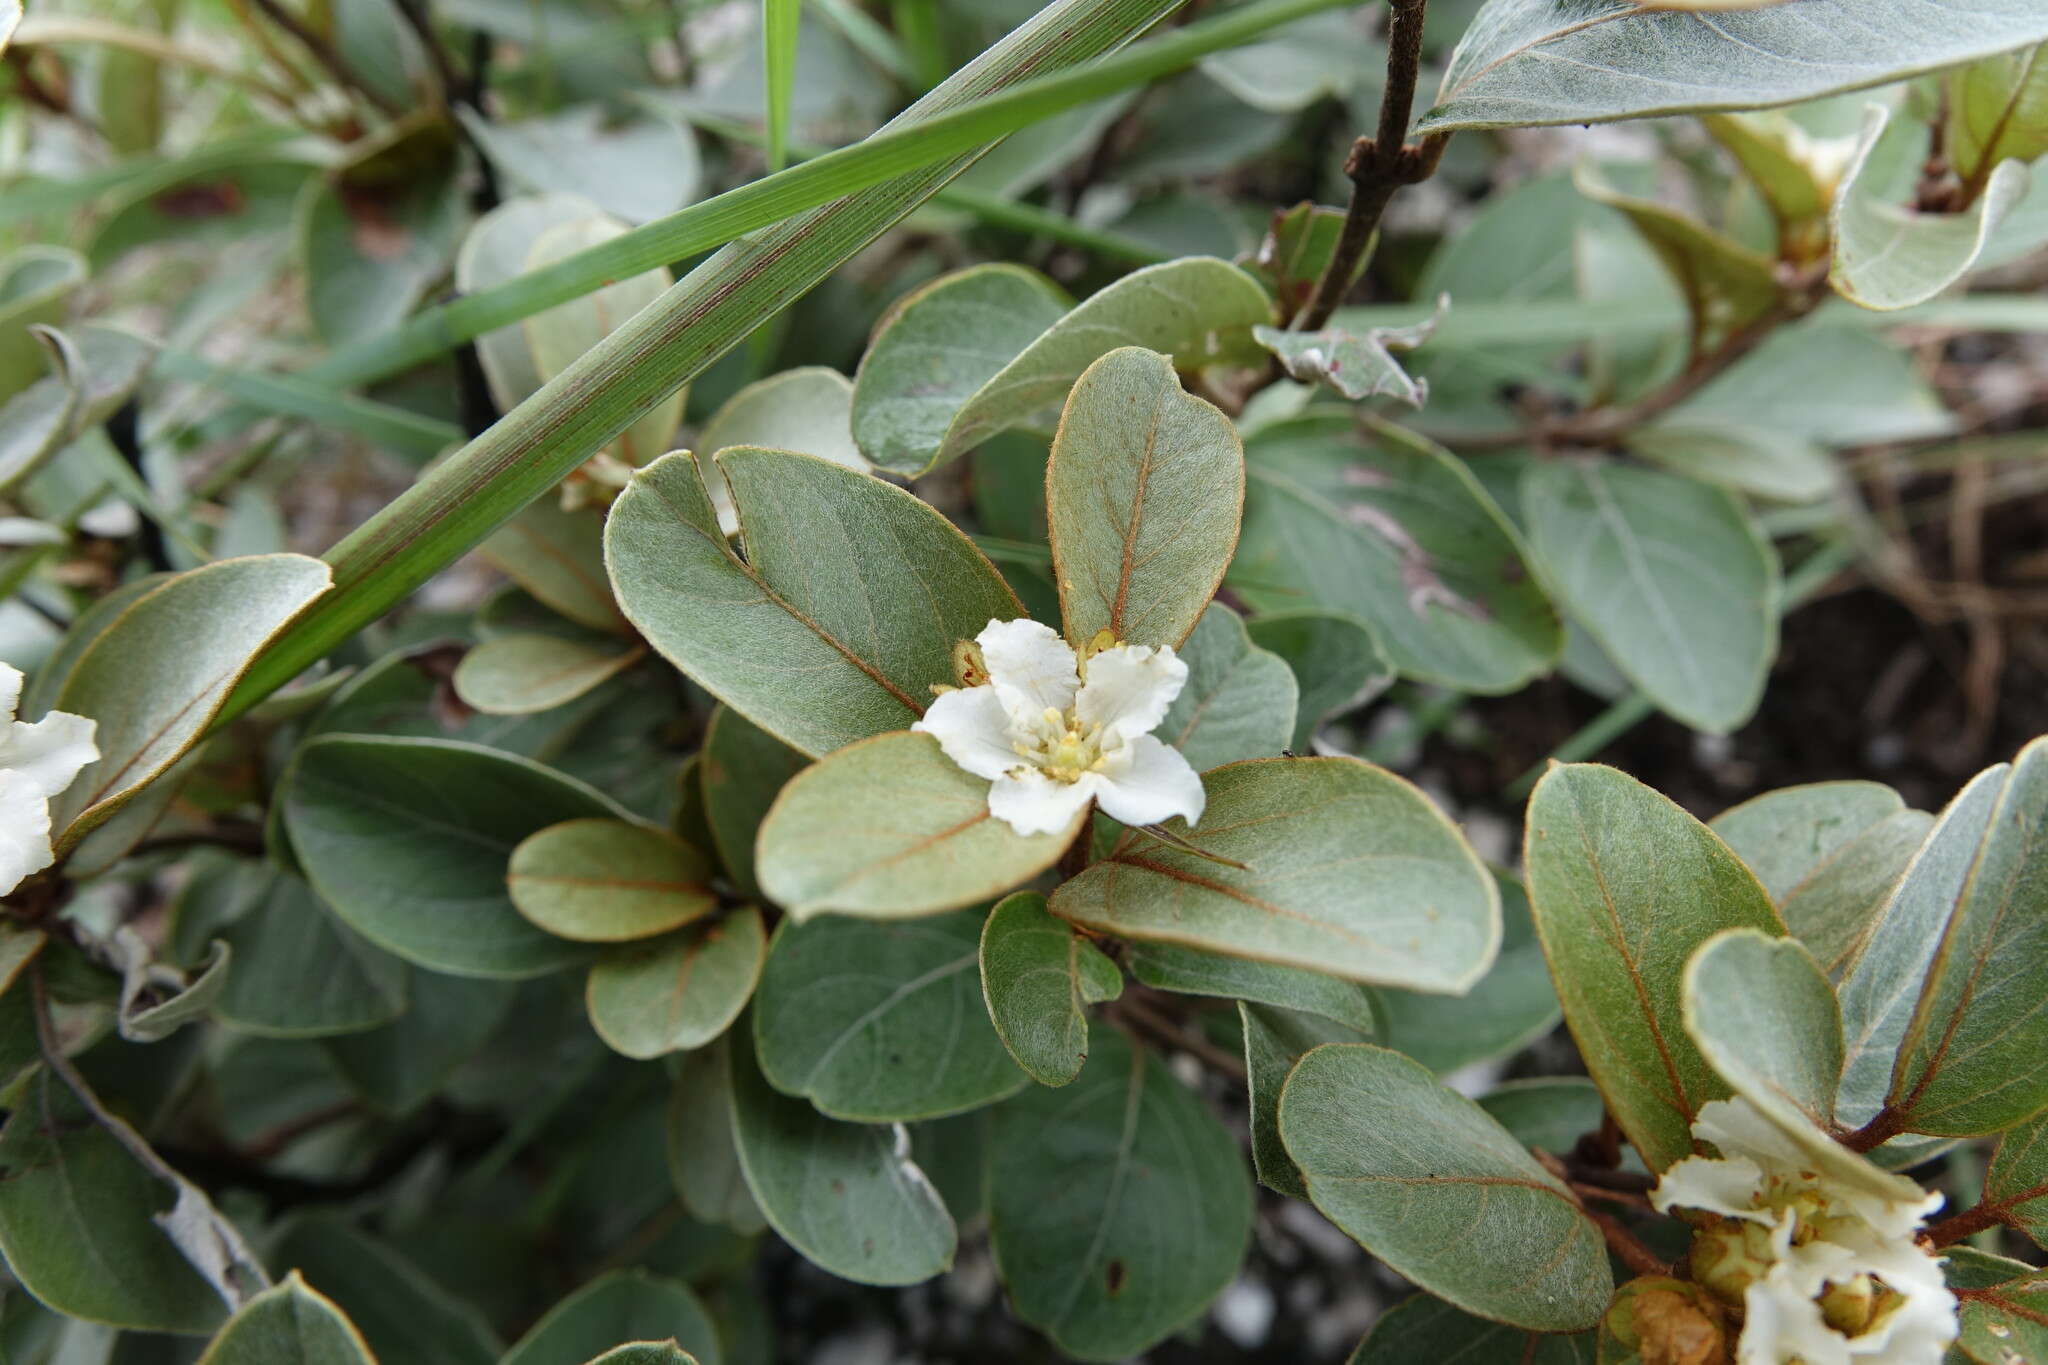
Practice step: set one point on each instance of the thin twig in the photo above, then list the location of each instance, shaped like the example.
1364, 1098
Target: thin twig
1625, 1244
422, 25
1380, 165
1171, 1034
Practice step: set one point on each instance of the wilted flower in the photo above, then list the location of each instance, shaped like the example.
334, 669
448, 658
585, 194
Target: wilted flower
1050, 742
1825, 1270
36, 763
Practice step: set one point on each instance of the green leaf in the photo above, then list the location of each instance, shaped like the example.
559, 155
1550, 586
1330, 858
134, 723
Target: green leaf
878, 1023
1275, 1039
703, 1162
155, 678
1761, 1012
1889, 256
1239, 701
638, 168
374, 231
402, 1314
890, 828
409, 839
745, 768
2018, 1179
677, 992
1400, 535
1037, 978
646, 1353
290, 1322
937, 347
1835, 385
1440, 1192
1427, 916
516, 675
36, 284
1727, 286
403, 1064
1550, 1112
1785, 835
92, 375
1336, 661
808, 409
77, 1222
841, 616
846, 1196
1747, 459
1671, 577
1974, 1059
1624, 887
494, 253
1118, 1207
779, 47
557, 555
1512, 1006
2002, 1311
959, 363
1426, 1328
1143, 496
153, 1007
1294, 67
1998, 111
1628, 62
1190, 971
624, 1305
596, 880
1357, 364
1829, 853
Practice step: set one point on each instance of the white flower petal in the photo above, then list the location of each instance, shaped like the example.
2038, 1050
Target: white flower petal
1726, 1187
10, 690
974, 730
1030, 666
24, 831
1153, 784
1130, 688
1029, 802
50, 753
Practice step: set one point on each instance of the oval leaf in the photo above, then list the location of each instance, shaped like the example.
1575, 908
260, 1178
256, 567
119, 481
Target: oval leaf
892, 827
1118, 1206
1190, 971
290, 1322
1038, 976
1426, 1328
156, 676
516, 675
1624, 887
1627, 61
1143, 496
847, 1196
841, 616
1348, 870
1431, 1184
745, 769
608, 881
1670, 576
678, 992
878, 1023
1274, 1040
409, 839
1239, 700
625, 1305
1400, 535
1337, 663
1765, 1018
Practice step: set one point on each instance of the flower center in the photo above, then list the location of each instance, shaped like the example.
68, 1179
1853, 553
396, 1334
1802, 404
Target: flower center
1061, 746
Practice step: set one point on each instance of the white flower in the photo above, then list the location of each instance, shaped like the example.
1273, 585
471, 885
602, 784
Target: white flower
1049, 742
36, 763
1826, 1269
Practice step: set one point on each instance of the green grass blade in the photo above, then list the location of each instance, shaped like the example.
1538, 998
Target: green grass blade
406, 432
875, 43
778, 40
921, 138
473, 492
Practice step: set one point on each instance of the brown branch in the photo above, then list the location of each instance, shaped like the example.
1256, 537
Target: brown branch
1625, 1244
1170, 1034
1888, 1124
1380, 165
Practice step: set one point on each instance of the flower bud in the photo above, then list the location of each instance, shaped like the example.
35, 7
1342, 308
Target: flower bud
1668, 1322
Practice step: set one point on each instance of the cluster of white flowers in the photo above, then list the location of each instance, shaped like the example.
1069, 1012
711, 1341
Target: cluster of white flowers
1049, 742
1826, 1271
37, 762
